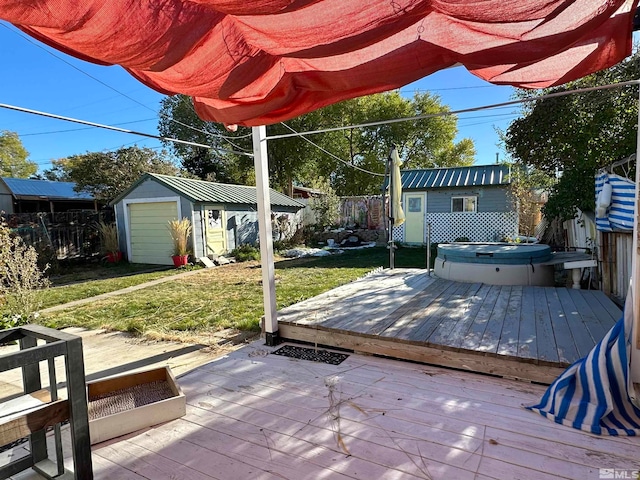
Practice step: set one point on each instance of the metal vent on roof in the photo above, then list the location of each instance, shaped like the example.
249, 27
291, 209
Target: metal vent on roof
311, 354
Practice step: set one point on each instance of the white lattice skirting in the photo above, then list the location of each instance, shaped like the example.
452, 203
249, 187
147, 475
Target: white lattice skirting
477, 227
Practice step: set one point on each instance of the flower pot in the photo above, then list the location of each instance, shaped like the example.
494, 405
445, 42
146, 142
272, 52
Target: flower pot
114, 257
180, 260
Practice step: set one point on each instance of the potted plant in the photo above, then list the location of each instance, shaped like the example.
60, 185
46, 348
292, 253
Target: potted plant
109, 241
180, 231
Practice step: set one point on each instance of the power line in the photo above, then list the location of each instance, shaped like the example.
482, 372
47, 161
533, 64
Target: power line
332, 155
79, 129
28, 39
444, 89
116, 129
457, 112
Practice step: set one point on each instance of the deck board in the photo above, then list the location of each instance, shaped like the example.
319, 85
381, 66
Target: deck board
421, 315
361, 318
491, 336
414, 316
581, 335
527, 342
436, 313
455, 315
508, 345
459, 332
476, 330
545, 338
567, 351
602, 314
591, 322
609, 306
406, 315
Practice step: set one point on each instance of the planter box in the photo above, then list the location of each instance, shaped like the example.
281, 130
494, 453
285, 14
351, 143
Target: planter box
126, 403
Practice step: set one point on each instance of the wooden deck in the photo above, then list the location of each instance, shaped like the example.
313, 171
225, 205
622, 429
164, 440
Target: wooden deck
531, 333
255, 415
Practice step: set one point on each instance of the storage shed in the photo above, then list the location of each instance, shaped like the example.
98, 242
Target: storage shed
457, 202
223, 216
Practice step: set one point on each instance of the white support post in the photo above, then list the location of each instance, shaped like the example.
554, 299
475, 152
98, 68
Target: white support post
391, 219
261, 163
635, 265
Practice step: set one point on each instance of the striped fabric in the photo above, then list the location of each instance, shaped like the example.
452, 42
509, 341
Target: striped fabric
596, 394
619, 215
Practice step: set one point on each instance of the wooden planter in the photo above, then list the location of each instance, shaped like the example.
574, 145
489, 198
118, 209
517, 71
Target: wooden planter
126, 403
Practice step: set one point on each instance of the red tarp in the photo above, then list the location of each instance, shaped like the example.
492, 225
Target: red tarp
253, 62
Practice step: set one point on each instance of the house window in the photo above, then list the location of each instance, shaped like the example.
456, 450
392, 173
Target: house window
464, 204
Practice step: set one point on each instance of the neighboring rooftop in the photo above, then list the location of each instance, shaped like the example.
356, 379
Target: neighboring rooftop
23, 188
211, 192
473, 176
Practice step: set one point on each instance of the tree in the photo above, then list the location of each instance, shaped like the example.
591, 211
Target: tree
574, 135
107, 174
422, 143
527, 187
179, 120
13, 157
57, 172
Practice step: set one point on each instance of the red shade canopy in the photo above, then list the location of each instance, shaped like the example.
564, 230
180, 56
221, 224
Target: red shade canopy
253, 62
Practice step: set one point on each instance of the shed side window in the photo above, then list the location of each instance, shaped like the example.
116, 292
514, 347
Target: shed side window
464, 204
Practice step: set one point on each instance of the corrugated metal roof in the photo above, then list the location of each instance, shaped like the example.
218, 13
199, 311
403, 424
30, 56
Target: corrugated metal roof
211, 192
473, 176
22, 187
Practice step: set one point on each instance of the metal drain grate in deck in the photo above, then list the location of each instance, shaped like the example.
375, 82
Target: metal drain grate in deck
311, 354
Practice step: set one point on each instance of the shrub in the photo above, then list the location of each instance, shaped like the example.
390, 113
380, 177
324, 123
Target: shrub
180, 231
326, 207
108, 237
302, 236
20, 279
245, 252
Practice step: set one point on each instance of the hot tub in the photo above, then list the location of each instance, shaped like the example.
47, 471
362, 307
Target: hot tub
495, 263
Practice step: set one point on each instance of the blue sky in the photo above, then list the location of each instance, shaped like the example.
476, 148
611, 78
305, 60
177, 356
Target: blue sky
43, 79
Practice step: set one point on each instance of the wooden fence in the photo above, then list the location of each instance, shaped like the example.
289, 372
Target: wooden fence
616, 255
68, 234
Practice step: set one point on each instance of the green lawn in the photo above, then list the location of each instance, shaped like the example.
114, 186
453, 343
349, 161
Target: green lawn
214, 299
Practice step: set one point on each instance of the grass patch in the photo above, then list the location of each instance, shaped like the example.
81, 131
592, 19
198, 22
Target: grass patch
221, 298
73, 273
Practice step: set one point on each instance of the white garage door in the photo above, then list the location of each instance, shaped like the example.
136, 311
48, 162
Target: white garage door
150, 239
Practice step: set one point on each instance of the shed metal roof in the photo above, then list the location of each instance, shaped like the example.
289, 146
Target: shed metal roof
211, 192
473, 176
22, 187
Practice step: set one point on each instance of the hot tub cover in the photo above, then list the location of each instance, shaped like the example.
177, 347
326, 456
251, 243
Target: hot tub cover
494, 253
